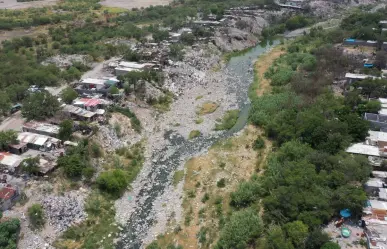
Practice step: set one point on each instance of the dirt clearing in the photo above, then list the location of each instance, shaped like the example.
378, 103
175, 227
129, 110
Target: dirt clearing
129, 4
13, 4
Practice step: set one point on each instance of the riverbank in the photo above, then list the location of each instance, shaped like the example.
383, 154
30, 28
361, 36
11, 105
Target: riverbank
210, 178
154, 202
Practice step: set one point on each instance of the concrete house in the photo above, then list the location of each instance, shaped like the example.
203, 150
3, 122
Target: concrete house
41, 128
9, 162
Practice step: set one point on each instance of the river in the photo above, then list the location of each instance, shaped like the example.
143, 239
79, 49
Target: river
240, 76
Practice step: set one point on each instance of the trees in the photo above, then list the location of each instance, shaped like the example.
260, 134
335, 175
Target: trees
5, 103
39, 105
36, 216
72, 165
7, 138
297, 232
243, 228
276, 238
66, 129
113, 182
188, 38
9, 232
68, 95
246, 194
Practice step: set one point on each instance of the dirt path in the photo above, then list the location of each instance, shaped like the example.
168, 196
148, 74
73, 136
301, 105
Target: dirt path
262, 65
13, 4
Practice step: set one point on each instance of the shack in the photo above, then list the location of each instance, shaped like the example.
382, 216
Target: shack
9, 162
79, 113
91, 104
41, 128
39, 142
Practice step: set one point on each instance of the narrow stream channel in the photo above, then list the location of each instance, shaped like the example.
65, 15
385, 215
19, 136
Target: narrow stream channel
240, 73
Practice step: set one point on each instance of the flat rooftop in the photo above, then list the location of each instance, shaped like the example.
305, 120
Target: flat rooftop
363, 149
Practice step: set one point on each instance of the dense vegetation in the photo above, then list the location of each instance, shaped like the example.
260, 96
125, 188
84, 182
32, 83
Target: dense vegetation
309, 178
9, 232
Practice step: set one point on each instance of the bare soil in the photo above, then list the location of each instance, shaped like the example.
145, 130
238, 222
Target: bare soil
13, 4
130, 4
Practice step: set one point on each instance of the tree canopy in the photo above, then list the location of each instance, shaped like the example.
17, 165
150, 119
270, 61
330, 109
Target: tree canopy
39, 105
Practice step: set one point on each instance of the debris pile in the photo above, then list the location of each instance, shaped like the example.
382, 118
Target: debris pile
64, 211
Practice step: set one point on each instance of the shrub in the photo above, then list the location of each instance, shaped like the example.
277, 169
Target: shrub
228, 121
193, 134
205, 198
259, 143
221, 183
330, 245
36, 215
113, 182
68, 95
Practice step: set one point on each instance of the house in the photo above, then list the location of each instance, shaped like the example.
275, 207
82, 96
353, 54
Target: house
8, 197
79, 113
18, 149
352, 77
9, 162
383, 23
373, 185
125, 67
41, 128
93, 86
46, 166
91, 104
174, 37
375, 147
355, 42
39, 142
377, 121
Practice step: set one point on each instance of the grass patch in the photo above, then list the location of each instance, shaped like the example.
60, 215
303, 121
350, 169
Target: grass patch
199, 97
177, 177
228, 121
193, 134
163, 104
199, 120
136, 124
207, 108
227, 57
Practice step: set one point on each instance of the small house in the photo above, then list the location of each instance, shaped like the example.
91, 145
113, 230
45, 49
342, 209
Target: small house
41, 128
79, 113
9, 162
39, 142
91, 104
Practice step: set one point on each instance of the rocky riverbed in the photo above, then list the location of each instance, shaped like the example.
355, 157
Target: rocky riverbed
153, 202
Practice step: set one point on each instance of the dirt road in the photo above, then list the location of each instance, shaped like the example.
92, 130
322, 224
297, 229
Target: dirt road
14, 122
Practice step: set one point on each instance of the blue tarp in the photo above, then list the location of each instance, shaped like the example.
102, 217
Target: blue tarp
368, 65
350, 40
345, 213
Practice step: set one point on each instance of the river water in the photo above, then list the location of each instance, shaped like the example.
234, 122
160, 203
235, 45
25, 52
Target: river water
240, 76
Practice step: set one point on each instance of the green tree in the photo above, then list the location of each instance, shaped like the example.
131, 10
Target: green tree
36, 215
246, 194
73, 165
66, 129
297, 232
68, 95
316, 239
330, 245
9, 232
114, 90
5, 103
244, 226
7, 138
39, 105
276, 239
350, 197
113, 182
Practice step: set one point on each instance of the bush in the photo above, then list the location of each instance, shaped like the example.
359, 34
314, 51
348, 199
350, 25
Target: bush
193, 134
68, 95
330, 245
228, 121
113, 182
36, 215
221, 183
244, 226
259, 143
